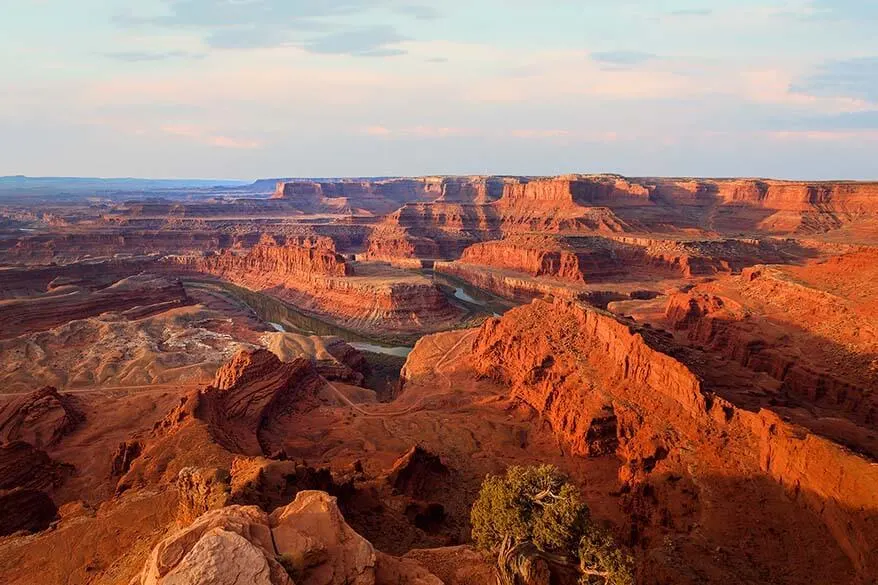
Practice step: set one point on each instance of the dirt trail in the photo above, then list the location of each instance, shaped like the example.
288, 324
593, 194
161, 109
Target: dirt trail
120, 389
445, 356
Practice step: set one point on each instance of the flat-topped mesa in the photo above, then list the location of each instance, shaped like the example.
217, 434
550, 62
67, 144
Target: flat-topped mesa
272, 260
546, 256
569, 204
770, 205
432, 230
375, 196
585, 371
479, 190
576, 190
801, 196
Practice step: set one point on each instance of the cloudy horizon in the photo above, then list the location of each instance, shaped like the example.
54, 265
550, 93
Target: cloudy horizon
251, 89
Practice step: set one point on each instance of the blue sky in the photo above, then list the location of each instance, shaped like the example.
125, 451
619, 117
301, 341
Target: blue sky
261, 88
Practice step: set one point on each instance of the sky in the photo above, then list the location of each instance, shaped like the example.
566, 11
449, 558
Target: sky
273, 88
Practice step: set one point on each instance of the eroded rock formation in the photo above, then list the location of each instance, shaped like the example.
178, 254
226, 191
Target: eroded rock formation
306, 542
372, 299
575, 365
42, 418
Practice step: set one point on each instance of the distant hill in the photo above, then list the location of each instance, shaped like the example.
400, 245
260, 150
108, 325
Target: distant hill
20, 186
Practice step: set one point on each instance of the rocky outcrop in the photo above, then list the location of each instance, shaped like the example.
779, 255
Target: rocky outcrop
419, 474
819, 346
271, 483
570, 259
42, 418
244, 412
223, 546
27, 478
306, 542
252, 390
576, 189
201, 490
125, 454
573, 364
332, 356
479, 190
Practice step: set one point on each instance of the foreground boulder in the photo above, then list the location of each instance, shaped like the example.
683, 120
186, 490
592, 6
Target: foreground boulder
304, 543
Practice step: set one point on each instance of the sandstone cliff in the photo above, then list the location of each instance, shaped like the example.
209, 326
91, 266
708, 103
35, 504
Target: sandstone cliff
811, 328
357, 196
605, 387
772, 206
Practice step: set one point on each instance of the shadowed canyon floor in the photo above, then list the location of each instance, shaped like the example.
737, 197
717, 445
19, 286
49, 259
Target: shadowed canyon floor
310, 385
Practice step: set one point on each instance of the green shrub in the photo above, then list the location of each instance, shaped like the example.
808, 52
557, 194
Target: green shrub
539, 505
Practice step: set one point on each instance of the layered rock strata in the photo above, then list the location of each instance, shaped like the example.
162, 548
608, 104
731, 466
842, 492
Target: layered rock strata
320, 281
580, 369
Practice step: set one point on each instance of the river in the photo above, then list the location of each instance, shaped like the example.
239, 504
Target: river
284, 317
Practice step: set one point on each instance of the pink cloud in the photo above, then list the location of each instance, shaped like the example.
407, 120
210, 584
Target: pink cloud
419, 131
377, 131
539, 133
824, 135
205, 137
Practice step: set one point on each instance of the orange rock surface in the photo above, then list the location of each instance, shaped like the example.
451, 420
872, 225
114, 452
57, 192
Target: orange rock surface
603, 384
365, 298
701, 360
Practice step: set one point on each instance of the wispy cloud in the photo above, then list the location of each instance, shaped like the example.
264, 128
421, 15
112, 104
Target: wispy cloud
377, 131
622, 59
823, 135
376, 41
139, 56
837, 10
853, 78
529, 133
420, 131
427, 131
204, 136
311, 24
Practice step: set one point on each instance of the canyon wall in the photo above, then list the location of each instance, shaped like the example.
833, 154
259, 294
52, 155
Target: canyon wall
605, 386
548, 256
282, 262
811, 328
516, 266
357, 196
378, 300
781, 207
